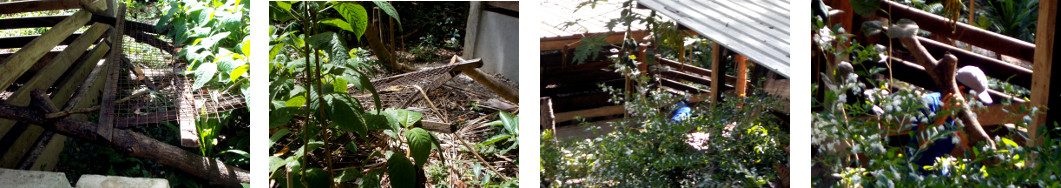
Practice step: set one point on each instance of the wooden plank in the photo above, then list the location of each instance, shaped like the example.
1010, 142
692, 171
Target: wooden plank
1044, 83
106, 112
30, 22
742, 74
936, 24
992, 67
716, 61
570, 42
51, 72
22, 41
17, 64
475, 10
49, 157
502, 89
590, 113
697, 79
681, 87
691, 68
436, 126
998, 114
37, 5
25, 142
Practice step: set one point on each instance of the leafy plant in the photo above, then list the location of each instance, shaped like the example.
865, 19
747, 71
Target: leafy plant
311, 72
509, 134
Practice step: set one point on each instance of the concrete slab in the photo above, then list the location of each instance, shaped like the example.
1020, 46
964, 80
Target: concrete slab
26, 178
98, 181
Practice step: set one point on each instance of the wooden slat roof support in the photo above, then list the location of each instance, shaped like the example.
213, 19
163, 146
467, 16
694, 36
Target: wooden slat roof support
964, 32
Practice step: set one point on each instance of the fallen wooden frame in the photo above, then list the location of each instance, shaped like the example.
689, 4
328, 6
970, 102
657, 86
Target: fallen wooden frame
130, 142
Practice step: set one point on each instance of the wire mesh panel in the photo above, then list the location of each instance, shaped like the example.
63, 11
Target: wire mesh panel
399, 91
153, 88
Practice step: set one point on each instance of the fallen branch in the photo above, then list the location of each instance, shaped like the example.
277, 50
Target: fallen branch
129, 142
942, 72
481, 158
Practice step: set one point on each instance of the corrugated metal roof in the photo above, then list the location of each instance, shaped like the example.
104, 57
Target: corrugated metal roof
758, 29
557, 13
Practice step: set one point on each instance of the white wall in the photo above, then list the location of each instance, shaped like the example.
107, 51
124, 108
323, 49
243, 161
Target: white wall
497, 42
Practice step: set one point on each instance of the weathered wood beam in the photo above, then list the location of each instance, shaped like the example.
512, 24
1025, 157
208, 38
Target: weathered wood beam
134, 144
49, 157
547, 117
992, 67
114, 58
502, 89
1046, 86
37, 5
690, 68
963, 32
22, 41
17, 64
42, 80
591, 113
716, 71
682, 87
915, 74
570, 42
742, 74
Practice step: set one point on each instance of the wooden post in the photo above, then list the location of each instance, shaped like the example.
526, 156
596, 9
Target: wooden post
716, 71
106, 112
742, 74
498, 87
1044, 84
471, 30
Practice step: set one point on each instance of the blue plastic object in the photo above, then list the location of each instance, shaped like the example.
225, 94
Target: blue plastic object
681, 113
940, 147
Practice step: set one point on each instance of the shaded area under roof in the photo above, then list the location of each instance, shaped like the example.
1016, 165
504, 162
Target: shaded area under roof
758, 29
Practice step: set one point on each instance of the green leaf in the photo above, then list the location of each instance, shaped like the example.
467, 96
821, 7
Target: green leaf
401, 171
277, 135
236, 73
275, 51
589, 48
339, 85
494, 139
345, 113
1009, 142
347, 175
317, 177
865, 8
352, 147
284, 5
511, 123
332, 44
338, 23
354, 14
363, 83
371, 179
387, 8
296, 102
204, 74
420, 142
309, 147
404, 117
275, 163
379, 121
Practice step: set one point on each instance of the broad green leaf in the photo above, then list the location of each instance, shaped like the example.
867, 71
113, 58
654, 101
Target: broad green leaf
352, 146
379, 121
317, 177
204, 74
339, 85
387, 8
419, 145
284, 5
404, 117
401, 171
309, 147
338, 23
371, 179
510, 122
865, 8
236, 73
346, 115
347, 175
277, 135
276, 50
331, 43
494, 139
367, 84
246, 48
275, 163
354, 14
296, 101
